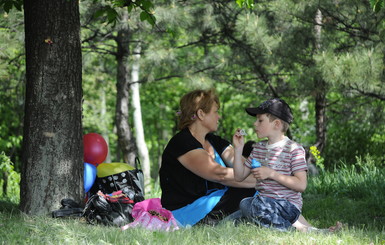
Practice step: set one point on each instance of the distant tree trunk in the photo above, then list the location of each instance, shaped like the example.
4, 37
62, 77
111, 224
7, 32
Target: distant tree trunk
125, 137
103, 116
320, 114
138, 123
5, 183
320, 97
321, 90
52, 141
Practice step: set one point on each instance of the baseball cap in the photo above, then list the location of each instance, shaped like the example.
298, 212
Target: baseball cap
276, 107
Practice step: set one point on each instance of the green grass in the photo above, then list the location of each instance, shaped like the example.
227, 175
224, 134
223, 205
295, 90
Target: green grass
353, 195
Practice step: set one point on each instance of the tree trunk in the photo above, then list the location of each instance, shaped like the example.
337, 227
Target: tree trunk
125, 137
52, 142
138, 123
320, 98
103, 116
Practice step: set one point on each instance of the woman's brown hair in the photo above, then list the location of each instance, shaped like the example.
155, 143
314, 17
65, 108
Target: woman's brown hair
191, 102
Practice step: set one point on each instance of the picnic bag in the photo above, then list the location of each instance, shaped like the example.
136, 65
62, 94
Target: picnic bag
131, 182
113, 197
109, 209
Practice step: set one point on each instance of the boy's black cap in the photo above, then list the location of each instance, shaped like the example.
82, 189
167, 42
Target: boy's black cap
276, 107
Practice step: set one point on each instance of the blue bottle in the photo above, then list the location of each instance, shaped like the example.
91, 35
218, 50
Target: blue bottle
255, 163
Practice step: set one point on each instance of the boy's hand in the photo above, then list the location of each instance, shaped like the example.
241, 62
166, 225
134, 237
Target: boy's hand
262, 173
238, 138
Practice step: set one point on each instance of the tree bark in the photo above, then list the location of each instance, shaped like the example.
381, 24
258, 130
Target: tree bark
52, 142
125, 137
138, 123
103, 116
320, 94
319, 98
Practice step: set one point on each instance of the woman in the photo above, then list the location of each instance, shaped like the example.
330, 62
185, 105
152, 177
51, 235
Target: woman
196, 177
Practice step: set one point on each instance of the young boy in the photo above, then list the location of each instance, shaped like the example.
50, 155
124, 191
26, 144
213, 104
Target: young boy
283, 172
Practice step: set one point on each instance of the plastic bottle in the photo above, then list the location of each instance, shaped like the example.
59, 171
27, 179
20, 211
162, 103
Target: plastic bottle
255, 163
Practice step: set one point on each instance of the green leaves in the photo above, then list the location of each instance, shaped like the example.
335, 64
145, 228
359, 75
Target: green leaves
110, 11
7, 5
245, 3
377, 5
147, 8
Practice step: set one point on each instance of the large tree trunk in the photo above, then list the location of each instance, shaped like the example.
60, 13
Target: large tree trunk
138, 123
125, 137
52, 143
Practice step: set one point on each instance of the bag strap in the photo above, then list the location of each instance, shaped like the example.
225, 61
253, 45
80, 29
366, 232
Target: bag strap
137, 163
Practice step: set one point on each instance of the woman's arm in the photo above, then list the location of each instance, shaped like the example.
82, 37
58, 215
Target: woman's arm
201, 163
228, 156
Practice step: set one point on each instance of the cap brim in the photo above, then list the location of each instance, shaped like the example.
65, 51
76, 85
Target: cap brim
254, 111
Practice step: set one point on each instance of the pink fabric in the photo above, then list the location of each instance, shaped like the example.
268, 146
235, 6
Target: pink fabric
150, 214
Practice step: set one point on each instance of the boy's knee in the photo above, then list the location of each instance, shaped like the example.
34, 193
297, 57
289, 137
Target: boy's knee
245, 204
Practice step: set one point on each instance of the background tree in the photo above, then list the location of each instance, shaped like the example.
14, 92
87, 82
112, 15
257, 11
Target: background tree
12, 91
119, 41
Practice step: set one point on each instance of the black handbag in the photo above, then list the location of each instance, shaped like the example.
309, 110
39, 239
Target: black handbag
109, 210
131, 182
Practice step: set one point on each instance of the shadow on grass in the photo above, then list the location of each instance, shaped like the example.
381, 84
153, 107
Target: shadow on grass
8, 206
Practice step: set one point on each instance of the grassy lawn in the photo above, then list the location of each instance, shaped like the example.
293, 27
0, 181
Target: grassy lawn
17, 228
332, 196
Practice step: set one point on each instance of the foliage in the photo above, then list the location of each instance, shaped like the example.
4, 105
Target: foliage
362, 180
12, 82
377, 5
353, 194
245, 3
7, 5
111, 7
10, 178
355, 128
319, 160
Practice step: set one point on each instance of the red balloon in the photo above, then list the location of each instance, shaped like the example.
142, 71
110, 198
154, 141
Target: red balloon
95, 148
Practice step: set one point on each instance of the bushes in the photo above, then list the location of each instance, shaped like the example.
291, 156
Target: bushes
358, 181
10, 179
353, 194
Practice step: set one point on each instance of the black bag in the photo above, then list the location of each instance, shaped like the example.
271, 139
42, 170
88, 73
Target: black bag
124, 190
108, 209
131, 182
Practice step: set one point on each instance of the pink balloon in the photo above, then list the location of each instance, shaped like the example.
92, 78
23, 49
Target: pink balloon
95, 148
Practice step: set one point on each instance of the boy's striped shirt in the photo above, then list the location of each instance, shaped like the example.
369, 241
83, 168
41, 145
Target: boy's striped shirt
286, 157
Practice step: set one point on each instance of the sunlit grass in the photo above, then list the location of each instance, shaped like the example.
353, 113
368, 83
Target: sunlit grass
353, 195
21, 229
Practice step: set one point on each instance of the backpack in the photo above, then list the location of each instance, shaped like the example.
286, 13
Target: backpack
131, 182
112, 197
109, 209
